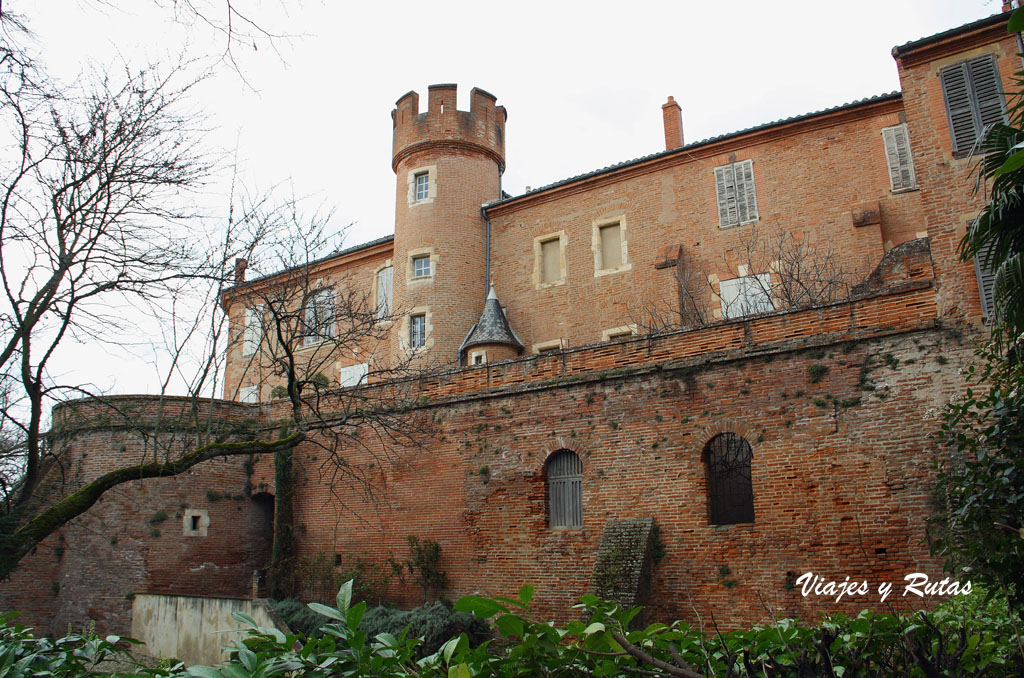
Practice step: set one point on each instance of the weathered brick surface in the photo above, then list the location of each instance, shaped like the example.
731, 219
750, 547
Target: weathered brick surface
131, 541
842, 461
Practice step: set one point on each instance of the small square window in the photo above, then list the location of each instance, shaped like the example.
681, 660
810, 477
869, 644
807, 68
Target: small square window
421, 266
417, 331
422, 186
478, 357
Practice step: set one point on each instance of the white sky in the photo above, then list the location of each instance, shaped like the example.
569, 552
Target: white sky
583, 82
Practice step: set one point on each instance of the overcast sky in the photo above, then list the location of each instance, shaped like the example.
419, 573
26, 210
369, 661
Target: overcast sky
583, 83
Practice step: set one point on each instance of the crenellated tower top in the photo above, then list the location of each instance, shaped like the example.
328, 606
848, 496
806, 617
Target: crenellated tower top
481, 129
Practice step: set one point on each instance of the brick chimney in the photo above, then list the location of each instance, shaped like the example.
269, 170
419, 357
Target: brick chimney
673, 124
240, 266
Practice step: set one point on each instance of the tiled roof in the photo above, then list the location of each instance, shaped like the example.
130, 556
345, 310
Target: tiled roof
921, 42
332, 255
703, 142
493, 327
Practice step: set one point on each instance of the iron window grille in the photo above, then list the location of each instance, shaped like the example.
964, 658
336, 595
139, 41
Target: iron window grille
565, 490
730, 490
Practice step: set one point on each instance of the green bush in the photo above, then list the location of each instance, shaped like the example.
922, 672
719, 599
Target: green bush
297, 615
970, 635
434, 623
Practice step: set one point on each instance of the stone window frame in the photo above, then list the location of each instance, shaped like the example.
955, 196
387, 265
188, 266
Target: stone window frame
548, 346
420, 253
538, 259
375, 292
481, 353
595, 245
201, 524
404, 336
431, 172
619, 332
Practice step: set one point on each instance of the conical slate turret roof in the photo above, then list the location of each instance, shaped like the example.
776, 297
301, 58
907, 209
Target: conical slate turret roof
493, 327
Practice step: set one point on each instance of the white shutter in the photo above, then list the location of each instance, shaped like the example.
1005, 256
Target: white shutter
746, 195
745, 296
352, 375
252, 332
385, 278
737, 198
249, 394
898, 158
725, 188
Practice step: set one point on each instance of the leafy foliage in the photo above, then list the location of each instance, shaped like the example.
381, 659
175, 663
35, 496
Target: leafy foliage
971, 635
998, 234
981, 526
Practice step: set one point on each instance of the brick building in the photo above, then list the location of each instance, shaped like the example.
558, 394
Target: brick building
684, 379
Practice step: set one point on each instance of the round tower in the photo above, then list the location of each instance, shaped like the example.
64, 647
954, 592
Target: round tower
447, 164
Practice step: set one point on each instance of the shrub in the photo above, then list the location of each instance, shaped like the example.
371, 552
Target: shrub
434, 623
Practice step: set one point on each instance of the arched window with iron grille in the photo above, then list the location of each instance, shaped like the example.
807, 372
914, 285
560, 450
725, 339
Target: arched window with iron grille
730, 491
565, 489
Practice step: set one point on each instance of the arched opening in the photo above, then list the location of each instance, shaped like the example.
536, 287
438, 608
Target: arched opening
564, 476
727, 458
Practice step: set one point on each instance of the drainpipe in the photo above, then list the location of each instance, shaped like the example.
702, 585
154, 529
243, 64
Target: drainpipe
487, 245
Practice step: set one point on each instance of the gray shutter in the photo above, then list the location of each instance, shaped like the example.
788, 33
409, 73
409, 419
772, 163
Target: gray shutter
988, 91
898, 158
956, 92
725, 188
985, 269
746, 195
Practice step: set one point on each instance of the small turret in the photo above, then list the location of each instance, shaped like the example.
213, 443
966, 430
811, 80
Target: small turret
492, 334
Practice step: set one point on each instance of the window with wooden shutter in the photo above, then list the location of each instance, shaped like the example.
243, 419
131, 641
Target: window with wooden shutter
973, 94
565, 489
730, 488
737, 198
898, 158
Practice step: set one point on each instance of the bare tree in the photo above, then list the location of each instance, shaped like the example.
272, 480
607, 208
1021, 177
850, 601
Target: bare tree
96, 222
781, 270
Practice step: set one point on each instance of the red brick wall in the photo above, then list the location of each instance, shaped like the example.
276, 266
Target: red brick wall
92, 567
810, 176
841, 471
948, 202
